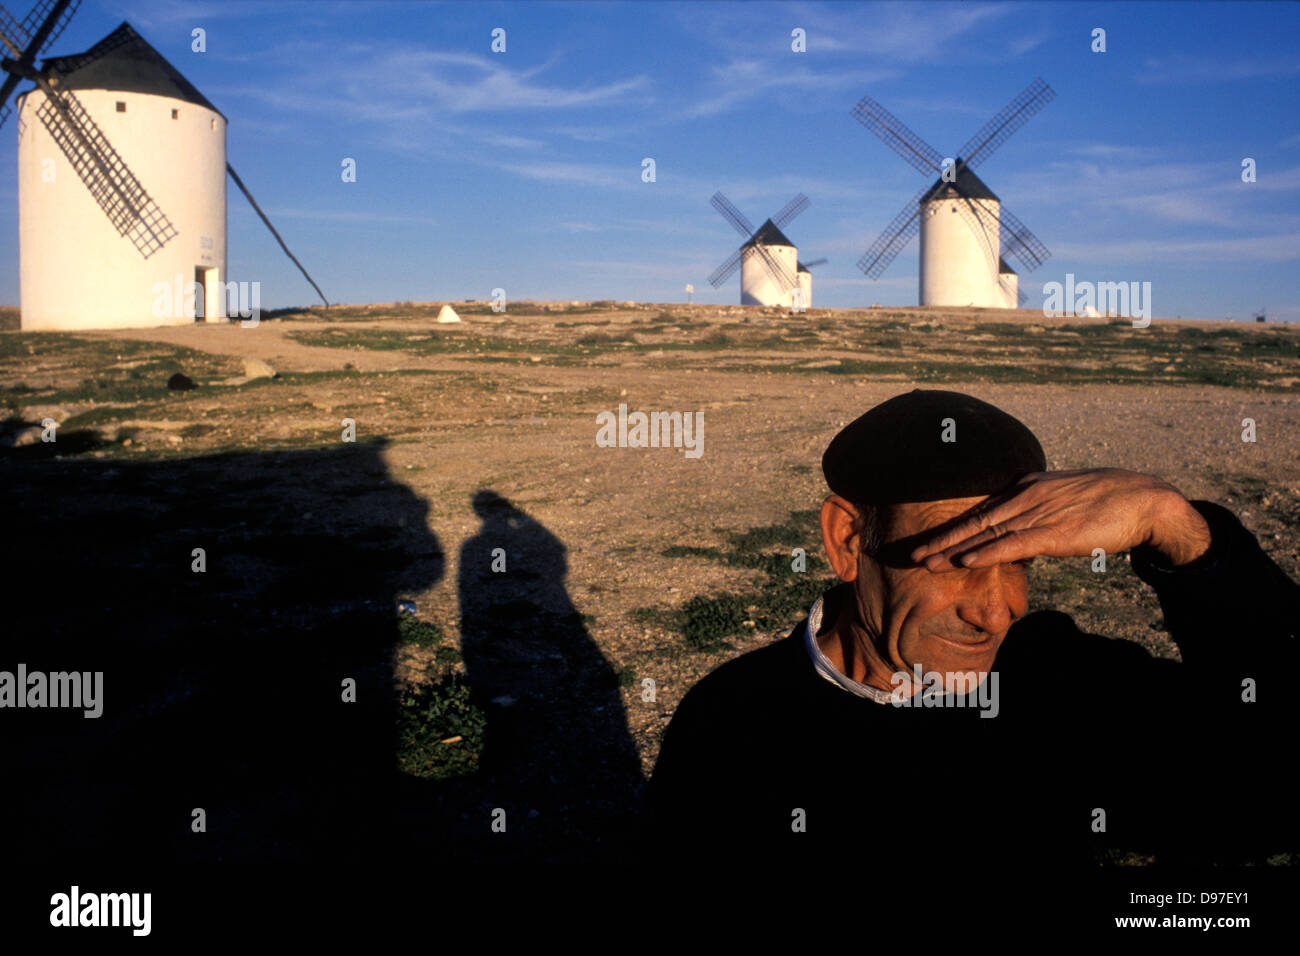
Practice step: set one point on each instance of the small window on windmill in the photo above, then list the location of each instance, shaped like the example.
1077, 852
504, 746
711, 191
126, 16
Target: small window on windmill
121, 106
176, 114
214, 123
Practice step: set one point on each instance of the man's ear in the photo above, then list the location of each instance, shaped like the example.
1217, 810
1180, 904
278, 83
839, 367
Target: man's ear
838, 536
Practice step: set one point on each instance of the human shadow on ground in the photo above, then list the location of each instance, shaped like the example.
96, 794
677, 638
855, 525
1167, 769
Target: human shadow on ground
558, 756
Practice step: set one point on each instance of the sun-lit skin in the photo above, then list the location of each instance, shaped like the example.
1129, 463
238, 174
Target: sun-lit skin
961, 583
950, 621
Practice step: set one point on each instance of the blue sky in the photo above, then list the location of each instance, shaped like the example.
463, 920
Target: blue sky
522, 170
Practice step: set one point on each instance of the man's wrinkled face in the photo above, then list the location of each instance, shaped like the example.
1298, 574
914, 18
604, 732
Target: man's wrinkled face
949, 621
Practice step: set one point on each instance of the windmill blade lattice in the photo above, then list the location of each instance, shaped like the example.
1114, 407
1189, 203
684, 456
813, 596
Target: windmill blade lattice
723, 272
20, 34
1020, 242
915, 151
1007, 120
1016, 239
733, 215
982, 223
23, 41
896, 235
127, 204
775, 268
791, 209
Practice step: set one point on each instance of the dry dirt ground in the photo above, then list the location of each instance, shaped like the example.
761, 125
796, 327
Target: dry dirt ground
507, 404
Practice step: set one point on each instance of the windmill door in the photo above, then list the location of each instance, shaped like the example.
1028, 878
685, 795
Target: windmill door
207, 291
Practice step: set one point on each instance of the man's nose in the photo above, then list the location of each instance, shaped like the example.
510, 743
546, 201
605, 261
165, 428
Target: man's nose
985, 605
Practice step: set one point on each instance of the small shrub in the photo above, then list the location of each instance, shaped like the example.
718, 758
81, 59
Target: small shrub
440, 731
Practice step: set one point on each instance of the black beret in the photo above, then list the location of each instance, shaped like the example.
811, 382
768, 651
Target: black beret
895, 453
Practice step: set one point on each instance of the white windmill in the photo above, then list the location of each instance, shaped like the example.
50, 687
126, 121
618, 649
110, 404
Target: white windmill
966, 231
94, 242
770, 270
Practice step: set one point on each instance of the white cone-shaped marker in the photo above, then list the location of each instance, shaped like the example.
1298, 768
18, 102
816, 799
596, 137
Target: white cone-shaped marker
448, 314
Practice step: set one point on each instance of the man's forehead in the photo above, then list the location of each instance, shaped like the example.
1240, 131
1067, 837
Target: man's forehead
914, 517
915, 522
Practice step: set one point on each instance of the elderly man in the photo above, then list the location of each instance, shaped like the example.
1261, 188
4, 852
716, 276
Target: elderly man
921, 712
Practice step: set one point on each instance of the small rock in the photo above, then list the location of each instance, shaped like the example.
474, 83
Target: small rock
256, 368
181, 383
27, 436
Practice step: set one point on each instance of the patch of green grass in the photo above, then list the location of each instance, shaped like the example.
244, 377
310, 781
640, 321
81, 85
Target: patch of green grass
682, 551
705, 621
99, 416
440, 730
782, 596
115, 371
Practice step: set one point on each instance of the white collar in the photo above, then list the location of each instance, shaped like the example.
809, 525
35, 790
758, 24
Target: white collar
827, 670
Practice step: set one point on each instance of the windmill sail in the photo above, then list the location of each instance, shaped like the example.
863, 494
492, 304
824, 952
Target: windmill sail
896, 235
915, 151
1006, 121
724, 272
791, 209
25, 41
733, 215
125, 201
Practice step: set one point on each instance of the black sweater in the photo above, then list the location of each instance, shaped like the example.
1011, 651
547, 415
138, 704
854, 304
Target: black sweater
1181, 766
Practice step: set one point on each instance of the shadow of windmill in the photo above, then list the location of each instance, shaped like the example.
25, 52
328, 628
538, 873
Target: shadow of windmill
222, 689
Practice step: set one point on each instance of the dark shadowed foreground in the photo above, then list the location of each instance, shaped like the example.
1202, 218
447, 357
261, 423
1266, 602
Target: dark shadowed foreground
223, 688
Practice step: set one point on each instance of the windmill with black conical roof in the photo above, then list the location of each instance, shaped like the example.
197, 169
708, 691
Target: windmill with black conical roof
96, 244
768, 261
966, 231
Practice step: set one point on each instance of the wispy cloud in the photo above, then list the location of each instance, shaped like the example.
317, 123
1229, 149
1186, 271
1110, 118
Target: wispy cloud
162, 13
898, 32
404, 83
580, 174
1185, 68
322, 215
744, 81
1253, 249
1022, 45
1178, 192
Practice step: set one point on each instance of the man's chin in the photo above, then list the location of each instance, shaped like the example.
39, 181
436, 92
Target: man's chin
951, 656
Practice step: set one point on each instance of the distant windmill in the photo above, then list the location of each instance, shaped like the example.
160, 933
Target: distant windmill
966, 232
94, 243
768, 261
